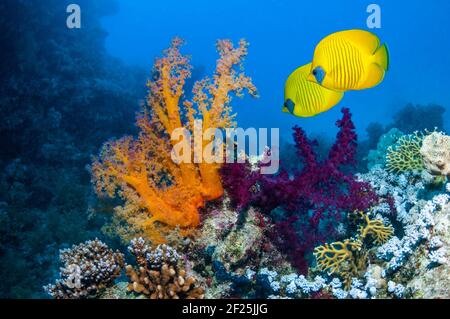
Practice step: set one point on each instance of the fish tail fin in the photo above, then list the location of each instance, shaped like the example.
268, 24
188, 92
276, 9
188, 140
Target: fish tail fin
382, 57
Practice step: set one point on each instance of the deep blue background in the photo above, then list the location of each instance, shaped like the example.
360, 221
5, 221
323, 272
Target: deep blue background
283, 35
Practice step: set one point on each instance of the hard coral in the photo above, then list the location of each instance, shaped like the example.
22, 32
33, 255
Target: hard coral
160, 274
338, 257
88, 268
435, 151
141, 170
405, 155
376, 229
348, 258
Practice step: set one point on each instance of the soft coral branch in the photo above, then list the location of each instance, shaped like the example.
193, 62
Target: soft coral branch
318, 197
141, 171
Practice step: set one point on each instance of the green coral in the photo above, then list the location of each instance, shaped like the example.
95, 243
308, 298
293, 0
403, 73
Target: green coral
405, 155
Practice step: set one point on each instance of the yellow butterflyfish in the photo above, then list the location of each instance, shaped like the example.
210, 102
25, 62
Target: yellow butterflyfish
304, 98
349, 60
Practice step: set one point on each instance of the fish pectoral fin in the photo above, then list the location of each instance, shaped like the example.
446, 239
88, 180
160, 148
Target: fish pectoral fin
289, 106
374, 77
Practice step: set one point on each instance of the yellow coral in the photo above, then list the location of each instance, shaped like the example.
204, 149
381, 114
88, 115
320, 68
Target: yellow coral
141, 170
405, 154
375, 228
337, 257
349, 257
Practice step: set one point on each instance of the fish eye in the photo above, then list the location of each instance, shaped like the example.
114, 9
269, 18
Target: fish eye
314, 72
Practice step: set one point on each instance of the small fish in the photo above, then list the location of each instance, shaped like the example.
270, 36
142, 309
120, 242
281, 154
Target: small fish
304, 98
349, 60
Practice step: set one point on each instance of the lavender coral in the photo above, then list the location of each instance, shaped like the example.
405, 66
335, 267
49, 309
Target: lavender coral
88, 268
159, 193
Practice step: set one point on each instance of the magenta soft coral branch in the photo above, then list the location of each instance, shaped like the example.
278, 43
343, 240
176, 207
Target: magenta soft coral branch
317, 198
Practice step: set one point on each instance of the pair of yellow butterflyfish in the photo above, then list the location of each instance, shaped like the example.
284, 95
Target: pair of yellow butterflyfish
343, 61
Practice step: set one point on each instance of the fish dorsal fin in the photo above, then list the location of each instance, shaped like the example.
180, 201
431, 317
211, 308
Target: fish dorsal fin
365, 40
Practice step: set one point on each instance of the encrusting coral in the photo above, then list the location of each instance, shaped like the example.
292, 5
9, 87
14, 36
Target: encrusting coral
435, 151
88, 268
142, 171
160, 274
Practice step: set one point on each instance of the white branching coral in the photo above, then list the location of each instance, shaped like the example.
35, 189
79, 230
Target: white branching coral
397, 290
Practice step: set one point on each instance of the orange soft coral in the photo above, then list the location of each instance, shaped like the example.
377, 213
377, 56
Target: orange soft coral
141, 170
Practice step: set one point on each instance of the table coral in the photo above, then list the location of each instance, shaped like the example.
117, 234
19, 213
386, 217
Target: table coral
435, 151
161, 193
160, 274
88, 268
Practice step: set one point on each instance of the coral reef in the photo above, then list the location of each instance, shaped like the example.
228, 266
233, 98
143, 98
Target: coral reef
155, 188
160, 274
431, 267
58, 88
412, 118
315, 230
320, 194
244, 238
435, 152
378, 156
88, 269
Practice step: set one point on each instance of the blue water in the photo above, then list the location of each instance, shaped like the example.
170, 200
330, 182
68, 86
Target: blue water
283, 35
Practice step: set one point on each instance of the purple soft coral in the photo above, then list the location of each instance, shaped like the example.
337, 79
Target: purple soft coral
318, 197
